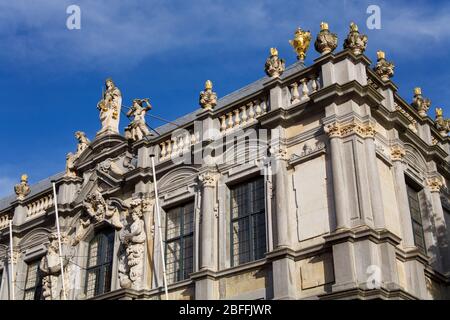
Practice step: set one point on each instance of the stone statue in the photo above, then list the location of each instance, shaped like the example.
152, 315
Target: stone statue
326, 41
301, 42
355, 41
109, 107
274, 65
420, 103
70, 165
208, 98
384, 68
133, 240
137, 129
443, 125
82, 228
83, 142
50, 266
23, 188
99, 209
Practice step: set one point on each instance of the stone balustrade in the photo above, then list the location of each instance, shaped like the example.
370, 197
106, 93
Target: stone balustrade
243, 115
39, 206
179, 143
300, 90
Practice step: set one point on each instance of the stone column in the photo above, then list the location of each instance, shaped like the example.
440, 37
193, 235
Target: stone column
340, 202
285, 226
374, 178
434, 185
397, 154
208, 223
205, 284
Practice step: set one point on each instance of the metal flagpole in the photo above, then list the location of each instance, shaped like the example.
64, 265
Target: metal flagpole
159, 226
55, 201
11, 250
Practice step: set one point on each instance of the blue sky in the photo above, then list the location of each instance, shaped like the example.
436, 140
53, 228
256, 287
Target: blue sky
51, 77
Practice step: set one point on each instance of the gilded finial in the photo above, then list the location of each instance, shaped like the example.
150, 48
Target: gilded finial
208, 85
208, 98
22, 189
443, 125
326, 41
420, 103
384, 68
273, 52
300, 43
274, 66
417, 91
355, 41
381, 55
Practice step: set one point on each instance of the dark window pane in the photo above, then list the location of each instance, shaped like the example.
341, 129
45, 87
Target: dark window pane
100, 258
248, 225
179, 242
33, 282
416, 217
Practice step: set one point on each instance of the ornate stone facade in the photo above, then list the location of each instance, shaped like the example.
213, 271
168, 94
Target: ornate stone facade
326, 177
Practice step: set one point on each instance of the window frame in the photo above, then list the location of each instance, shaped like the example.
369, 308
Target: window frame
413, 194
103, 266
36, 287
182, 273
251, 215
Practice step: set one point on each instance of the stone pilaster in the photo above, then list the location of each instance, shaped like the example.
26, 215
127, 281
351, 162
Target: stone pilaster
205, 284
340, 197
374, 178
397, 155
208, 222
434, 186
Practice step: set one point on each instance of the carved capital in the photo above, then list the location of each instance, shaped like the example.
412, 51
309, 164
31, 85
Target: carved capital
279, 152
365, 130
397, 153
207, 179
435, 184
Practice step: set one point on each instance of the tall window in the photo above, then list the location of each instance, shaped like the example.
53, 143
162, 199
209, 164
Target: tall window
99, 270
33, 282
248, 224
416, 217
179, 242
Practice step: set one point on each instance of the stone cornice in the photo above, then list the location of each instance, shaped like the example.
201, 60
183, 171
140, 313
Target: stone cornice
341, 55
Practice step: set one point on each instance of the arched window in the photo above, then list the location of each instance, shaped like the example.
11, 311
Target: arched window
99, 267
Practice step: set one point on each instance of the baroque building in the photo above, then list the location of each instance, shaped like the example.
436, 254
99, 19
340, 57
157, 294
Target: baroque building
314, 182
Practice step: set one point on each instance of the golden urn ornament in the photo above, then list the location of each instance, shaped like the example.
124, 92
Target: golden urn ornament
443, 125
300, 43
384, 68
208, 98
23, 188
420, 103
274, 65
355, 41
326, 41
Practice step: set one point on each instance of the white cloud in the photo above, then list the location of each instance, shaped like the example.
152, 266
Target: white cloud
117, 34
